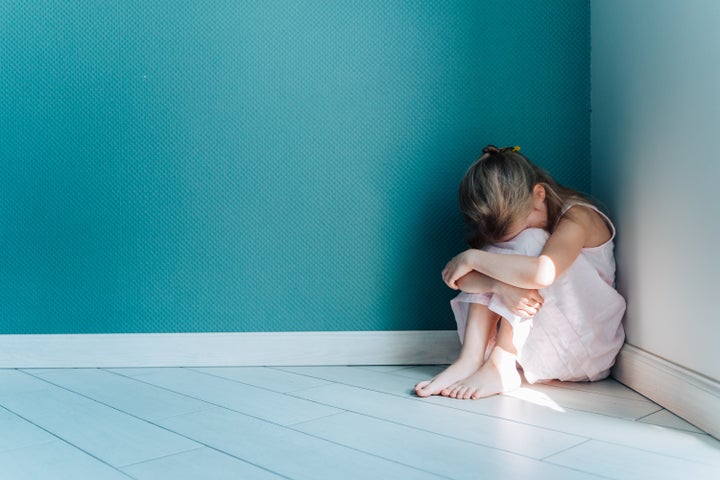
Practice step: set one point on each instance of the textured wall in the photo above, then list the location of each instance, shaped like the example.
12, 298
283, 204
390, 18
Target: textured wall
656, 116
264, 165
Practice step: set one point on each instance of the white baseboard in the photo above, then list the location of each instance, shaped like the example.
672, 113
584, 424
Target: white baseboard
228, 349
689, 395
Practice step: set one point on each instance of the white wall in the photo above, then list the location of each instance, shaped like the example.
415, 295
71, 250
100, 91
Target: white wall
656, 164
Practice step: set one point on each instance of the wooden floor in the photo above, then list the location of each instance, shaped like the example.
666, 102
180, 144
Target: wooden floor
330, 422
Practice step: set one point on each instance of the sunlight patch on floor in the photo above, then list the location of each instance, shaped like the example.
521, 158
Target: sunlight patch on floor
538, 398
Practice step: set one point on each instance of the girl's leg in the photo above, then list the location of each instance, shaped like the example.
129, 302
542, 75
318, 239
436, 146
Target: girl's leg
480, 329
497, 375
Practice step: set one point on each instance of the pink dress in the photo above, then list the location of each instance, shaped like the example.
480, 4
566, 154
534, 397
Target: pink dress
578, 332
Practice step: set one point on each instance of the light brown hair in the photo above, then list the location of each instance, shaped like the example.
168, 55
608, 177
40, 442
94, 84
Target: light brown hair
497, 190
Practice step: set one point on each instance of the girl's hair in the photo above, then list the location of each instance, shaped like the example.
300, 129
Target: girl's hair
497, 190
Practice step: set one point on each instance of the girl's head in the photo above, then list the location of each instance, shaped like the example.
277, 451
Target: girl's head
503, 193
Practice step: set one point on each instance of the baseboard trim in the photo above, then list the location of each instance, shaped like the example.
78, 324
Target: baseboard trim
227, 349
689, 395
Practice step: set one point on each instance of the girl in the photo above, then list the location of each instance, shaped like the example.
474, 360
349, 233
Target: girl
536, 285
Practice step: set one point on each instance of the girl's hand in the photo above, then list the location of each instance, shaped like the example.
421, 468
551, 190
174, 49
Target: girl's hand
521, 301
459, 266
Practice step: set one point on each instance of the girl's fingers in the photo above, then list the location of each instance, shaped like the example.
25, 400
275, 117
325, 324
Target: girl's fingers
534, 303
449, 278
526, 311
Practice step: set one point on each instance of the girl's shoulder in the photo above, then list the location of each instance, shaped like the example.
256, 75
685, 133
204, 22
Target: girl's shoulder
598, 228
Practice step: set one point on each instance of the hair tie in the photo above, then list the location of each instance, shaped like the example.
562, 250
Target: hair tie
492, 149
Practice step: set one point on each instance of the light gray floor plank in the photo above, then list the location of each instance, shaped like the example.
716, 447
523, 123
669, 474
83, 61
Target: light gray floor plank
104, 432
253, 401
587, 400
665, 418
693, 447
285, 451
536, 442
431, 452
267, 378
139, 371
13, 382
131, 396
609, 386
358, 377
419, 372
380, 368
54, 460
203, 463
666, 441
349, 422
16, 432
621, 462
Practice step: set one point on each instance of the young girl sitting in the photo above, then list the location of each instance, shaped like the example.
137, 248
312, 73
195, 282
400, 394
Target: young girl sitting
536, 285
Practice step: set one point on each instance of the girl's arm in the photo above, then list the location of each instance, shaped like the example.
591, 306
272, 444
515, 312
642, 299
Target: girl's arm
562, 248
520, 301
476, 282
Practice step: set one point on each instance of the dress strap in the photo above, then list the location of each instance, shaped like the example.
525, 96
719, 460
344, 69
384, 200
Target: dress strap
608, 222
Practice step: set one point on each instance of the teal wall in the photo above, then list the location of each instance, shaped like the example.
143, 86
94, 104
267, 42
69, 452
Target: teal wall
268, 165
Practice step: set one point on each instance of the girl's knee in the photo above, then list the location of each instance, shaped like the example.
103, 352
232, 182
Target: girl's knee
528, 242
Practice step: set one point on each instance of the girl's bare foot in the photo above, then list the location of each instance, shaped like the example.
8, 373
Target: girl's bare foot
460, 369
498, 375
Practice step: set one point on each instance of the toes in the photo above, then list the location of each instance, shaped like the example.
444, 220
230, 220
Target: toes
448, 391
466, 393
420, 388
426, 388
471, 394
457, 391
422, 393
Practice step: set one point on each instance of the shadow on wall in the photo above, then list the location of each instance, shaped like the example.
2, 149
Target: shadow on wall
441, 230
437, 235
